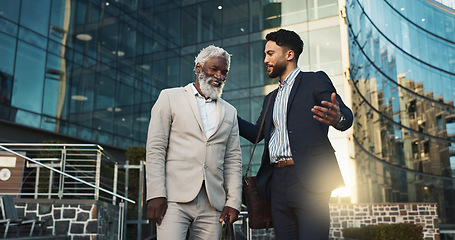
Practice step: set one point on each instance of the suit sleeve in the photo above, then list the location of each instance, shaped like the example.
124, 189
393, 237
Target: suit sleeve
156, 148
249, 130
323, 90
233, 169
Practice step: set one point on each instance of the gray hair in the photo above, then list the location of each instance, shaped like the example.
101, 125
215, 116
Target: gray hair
212, 51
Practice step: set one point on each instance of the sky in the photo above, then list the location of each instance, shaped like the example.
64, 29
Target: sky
450, 3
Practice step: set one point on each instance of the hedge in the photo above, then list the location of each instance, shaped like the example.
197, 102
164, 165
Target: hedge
402, 231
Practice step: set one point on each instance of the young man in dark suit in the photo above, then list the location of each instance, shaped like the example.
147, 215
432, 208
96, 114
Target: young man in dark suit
299, 168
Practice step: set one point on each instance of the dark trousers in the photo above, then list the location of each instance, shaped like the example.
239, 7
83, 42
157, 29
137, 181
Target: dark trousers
297, 212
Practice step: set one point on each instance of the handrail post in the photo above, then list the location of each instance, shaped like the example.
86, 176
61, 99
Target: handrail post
127, 177
62, 177
121, 222
97, 175
37, 182
140, 199
124, 218
51, 182
114, 198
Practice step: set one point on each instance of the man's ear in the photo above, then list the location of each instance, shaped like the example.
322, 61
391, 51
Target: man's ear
198, 68
290, 55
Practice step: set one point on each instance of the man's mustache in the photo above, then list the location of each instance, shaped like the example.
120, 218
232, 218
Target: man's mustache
212, 79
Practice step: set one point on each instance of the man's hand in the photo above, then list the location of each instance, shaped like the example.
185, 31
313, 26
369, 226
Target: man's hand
231, 212
329, 113
156, 209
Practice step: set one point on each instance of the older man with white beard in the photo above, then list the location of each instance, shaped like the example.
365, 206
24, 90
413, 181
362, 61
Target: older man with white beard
194, 166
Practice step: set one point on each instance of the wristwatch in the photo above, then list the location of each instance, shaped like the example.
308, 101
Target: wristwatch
341, 122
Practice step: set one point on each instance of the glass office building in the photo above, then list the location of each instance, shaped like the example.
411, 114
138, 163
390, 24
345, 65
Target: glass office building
91, 70
402, 70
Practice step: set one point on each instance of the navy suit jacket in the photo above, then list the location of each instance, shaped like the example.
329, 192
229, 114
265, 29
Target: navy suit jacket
314, 157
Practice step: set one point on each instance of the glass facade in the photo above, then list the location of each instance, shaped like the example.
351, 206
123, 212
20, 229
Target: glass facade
402, 70
93, 69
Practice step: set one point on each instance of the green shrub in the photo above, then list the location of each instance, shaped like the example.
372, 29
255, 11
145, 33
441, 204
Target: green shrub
135, 154
355, 233
402, 231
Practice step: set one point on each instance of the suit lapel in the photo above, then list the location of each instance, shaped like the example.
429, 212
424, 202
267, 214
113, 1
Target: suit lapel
297, 81
189, 94
220, 111
269, 116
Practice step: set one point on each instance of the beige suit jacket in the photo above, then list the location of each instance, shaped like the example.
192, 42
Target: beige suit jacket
180, 156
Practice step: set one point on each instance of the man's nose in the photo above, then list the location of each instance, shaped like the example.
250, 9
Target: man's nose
220, 76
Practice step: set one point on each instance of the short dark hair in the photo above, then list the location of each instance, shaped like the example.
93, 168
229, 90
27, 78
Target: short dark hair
288, 39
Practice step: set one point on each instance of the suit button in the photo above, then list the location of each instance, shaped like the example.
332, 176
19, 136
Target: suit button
207, 144
205, 166
290, 131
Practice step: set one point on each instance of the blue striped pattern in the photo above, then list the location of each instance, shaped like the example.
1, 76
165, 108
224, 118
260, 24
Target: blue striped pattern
279, 147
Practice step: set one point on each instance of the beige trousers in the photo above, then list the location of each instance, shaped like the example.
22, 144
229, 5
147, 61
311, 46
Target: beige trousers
197, 216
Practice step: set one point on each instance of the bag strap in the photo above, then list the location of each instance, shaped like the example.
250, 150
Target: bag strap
228, 229
257, 137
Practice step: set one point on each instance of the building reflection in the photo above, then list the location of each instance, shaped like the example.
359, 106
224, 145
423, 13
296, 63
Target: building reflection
403, 102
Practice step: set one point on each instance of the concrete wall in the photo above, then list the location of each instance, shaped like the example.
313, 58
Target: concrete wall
78, 219
90, 219
358, 215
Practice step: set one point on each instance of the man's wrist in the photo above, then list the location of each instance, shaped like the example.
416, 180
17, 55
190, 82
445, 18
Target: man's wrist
341, 122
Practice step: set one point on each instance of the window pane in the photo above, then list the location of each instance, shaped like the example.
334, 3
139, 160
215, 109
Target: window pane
186, 69
32, 38
7, 51
259, 76
294, 11
6, 87
82, 97
29, 78
190, 22
28, 119
272, 15
324, 50
235, 18
322, 8
256, 16
105, 93
210, 24
304, 59
35, 15
51, 97
238, 76
10, 9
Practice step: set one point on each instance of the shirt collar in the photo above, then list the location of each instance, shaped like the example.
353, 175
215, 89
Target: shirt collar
289, 80
197, 94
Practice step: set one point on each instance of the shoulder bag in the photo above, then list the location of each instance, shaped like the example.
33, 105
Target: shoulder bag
259, 211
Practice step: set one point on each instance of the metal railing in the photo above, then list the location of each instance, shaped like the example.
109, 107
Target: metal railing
72, 169
139, 221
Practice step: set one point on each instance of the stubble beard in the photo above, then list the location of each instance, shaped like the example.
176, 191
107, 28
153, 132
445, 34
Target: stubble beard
208, 90
278, 70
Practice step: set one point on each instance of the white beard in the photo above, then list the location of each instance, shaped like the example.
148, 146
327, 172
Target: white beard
208, 90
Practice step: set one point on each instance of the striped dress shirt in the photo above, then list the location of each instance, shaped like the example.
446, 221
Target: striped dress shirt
279, 147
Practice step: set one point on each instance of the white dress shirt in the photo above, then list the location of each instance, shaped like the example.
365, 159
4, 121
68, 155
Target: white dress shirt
207, 109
